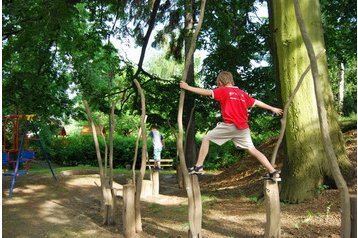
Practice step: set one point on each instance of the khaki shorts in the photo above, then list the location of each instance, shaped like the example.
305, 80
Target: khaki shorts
225, 132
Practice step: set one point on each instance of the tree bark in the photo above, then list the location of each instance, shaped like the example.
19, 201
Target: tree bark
328, 146
272, 200
341, 87
129, 211
189, 116
194, 201
138, 215
107, 194
304, 147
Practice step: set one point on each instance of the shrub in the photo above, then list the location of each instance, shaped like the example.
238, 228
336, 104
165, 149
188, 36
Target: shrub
80, 150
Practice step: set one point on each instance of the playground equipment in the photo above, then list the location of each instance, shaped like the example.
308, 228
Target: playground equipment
11, 148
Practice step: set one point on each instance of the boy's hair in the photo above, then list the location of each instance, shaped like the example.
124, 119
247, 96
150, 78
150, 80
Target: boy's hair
225, 77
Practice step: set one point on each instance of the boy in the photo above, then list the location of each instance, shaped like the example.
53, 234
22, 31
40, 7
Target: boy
233, 103
158, 143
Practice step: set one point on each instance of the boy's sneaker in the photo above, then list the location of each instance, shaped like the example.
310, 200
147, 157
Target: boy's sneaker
196, 170
274, 176
157, 168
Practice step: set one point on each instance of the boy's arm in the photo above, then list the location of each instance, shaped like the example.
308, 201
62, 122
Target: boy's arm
277, 111
200, 91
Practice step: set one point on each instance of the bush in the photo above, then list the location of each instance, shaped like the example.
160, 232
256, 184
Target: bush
80, 150
222, 156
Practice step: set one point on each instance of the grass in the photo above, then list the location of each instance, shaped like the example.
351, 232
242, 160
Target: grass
348, 122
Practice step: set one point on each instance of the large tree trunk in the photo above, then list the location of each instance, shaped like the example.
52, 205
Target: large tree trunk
306, 165
322, 113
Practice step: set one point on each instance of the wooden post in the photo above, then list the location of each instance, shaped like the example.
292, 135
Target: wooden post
197, 204
147, 188
128, 211
155, 183
180, 176
353, 199
272, 200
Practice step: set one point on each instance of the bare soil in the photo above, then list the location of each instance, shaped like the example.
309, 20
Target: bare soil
232, 206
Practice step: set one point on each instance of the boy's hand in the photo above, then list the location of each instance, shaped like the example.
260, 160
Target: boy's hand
183, 85
277, 111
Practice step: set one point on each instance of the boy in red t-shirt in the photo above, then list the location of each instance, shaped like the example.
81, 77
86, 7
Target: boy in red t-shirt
233, 103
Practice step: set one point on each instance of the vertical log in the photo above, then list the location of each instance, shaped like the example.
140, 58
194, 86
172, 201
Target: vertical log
272, 200
341, 78
180, 147
128, 211
147, 188
180, 177
155, 183
353, 199
197, 204
323, 120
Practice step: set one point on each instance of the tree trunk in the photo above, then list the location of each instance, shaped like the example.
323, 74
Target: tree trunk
129, 211
341, 87
306, 165
273, 218
322, 113
139, 181
189, 116
107, 193
191, 184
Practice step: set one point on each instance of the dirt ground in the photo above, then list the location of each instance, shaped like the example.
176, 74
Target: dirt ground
232, 207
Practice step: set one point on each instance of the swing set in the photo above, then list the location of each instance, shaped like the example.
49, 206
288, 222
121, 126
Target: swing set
17, 150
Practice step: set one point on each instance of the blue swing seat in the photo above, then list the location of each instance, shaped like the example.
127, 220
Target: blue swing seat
25, 158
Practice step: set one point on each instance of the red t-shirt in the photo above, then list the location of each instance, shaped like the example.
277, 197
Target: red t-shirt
234, 103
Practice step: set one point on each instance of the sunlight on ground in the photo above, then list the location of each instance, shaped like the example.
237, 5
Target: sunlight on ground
166, 200
53, 213
83, 181
33, 188
14, 201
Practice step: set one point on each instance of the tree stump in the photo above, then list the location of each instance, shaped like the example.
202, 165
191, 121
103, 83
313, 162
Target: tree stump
128, 211
155, 183
272, 200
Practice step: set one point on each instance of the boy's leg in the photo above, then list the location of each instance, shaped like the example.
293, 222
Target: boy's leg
204, 149
156, 158
261, 158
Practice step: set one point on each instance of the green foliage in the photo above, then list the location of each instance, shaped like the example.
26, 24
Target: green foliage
74, 150
80, 150
254, 199
222, 156
339, 20
263, 128
127, 124
322, 187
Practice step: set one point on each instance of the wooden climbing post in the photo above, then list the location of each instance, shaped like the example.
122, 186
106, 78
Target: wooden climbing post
155, 183
272, 200
128, 211
353, 200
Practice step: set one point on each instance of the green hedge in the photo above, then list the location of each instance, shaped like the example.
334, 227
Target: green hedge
80, 150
